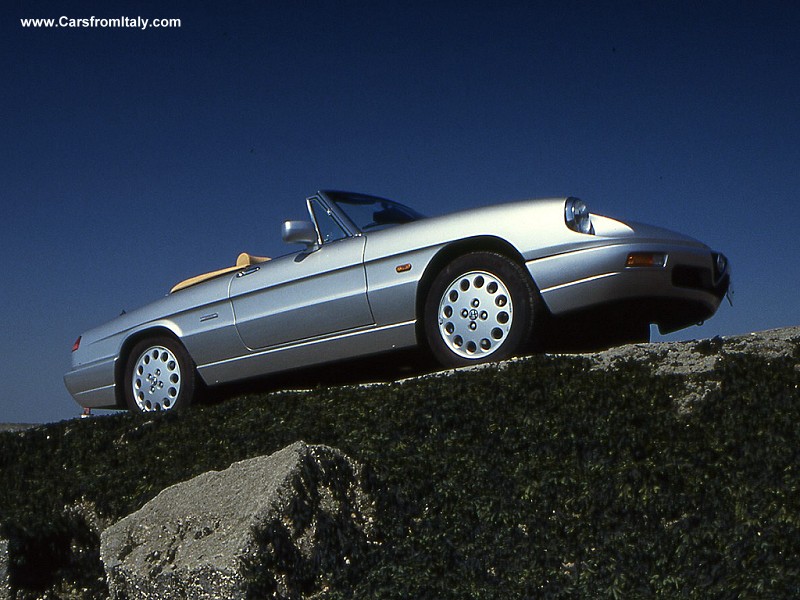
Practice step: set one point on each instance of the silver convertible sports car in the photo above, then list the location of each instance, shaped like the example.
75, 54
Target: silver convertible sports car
374, 276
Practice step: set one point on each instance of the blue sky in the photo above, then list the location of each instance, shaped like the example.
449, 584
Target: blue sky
133, 159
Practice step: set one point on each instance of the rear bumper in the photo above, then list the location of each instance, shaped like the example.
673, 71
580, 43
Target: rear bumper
92, 385
686, 289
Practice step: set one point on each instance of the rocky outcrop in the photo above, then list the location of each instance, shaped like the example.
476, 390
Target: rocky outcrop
275, 526
699, 357
695, 361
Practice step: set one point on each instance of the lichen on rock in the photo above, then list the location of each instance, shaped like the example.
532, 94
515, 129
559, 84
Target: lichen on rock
262, 526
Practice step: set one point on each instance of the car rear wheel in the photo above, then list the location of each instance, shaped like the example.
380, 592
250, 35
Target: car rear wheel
159, 376
480, 307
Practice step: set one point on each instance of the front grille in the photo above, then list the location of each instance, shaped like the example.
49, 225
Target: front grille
696, 278
715, 280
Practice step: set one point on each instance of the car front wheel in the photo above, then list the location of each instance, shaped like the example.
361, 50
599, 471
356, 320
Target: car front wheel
480, 307
159, 376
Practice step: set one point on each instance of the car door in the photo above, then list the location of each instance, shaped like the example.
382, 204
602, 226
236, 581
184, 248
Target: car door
317, 292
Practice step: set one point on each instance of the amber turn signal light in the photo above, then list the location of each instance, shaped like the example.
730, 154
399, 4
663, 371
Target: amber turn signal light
646, 259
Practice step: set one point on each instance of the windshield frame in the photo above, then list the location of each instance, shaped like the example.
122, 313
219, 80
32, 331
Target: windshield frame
337, 201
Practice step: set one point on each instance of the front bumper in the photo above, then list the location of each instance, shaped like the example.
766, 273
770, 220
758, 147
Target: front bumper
685, 289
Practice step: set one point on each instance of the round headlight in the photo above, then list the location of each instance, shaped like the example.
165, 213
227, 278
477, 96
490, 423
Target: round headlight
577, 216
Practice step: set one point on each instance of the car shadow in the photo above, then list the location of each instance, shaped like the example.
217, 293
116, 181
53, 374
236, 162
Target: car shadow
381, 368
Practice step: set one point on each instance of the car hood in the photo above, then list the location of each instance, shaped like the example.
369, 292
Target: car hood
644, 232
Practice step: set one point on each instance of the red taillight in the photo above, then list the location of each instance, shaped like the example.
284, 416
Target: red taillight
77, 344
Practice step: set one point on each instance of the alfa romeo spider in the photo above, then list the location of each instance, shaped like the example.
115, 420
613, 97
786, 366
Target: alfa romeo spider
371, 275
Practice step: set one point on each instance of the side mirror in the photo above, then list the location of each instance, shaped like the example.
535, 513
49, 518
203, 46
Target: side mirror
299, 232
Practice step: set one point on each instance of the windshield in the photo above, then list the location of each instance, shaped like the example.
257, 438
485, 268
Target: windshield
369, 213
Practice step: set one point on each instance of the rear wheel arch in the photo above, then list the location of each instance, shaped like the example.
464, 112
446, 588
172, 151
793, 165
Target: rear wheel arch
125, 354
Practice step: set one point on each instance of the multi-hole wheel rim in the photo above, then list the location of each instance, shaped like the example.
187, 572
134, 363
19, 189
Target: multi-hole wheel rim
475, 314
156, 380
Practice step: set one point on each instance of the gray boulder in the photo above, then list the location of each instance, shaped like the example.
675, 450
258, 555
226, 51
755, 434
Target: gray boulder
282, 526
5, 586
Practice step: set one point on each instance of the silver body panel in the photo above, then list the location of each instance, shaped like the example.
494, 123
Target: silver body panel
358, 295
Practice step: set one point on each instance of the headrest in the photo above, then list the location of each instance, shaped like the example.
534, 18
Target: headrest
245, 260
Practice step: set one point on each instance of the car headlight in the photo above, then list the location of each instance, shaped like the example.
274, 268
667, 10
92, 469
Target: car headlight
577, 216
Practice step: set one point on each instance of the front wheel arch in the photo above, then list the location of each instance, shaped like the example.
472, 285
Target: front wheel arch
447, 322
448, 254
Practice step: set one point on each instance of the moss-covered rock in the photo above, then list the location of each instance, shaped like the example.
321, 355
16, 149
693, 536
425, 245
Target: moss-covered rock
547, 476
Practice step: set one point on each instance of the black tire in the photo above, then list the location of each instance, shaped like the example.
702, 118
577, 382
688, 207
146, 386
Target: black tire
480, 307
159, 376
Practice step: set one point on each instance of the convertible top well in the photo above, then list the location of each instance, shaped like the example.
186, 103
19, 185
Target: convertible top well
242, 261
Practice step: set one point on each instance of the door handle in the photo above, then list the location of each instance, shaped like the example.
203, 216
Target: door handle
248, 271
